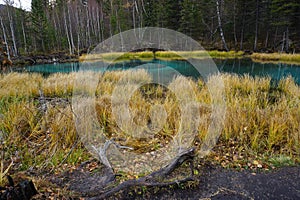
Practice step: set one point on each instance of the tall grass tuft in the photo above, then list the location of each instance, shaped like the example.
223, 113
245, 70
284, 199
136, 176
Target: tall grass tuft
58, 85
19, 85
117, 56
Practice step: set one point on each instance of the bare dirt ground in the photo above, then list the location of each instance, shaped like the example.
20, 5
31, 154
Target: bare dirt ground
216, 183
212, 182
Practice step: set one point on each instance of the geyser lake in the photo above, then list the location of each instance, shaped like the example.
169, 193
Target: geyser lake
165, 68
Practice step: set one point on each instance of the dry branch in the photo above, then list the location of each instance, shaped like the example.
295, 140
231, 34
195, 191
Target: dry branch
152, 179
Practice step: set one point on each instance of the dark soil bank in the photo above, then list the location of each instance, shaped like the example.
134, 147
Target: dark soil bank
227, 184
213, 183
43, 59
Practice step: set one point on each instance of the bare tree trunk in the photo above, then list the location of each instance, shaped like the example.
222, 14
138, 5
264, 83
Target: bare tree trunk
220, 26
70, 30
56, 30
102, 21
283, 42
287, 42
143, 6
141, 17
267, 40
120, 30
60, 28
8, 5
24, 38
88, 27
23, 30
256, 26
133, 15
98, 25
242, 33
5, 39
67, 32
275, 38
110, 24
234, 24
78, 30
92, 18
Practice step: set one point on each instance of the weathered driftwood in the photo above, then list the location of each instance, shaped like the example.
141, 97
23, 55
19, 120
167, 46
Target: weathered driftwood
153, 179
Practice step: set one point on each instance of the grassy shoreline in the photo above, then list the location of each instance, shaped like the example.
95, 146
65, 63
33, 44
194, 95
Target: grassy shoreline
163, 55
181, 55
276, 57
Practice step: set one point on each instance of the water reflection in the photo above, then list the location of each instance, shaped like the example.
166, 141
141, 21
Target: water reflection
246, 66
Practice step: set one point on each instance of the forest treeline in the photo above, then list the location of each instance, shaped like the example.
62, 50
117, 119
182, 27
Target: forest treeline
75, 25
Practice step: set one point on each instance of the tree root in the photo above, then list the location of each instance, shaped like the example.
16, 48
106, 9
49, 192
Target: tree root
152, 179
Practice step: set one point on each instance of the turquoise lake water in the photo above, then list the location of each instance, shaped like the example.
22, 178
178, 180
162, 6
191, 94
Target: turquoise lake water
165, 68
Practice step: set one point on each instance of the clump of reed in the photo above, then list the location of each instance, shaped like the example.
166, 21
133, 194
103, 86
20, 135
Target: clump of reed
37, 135
58, 85
225, 54
262, 117
173, 55
116, 56
19, 85
277, 57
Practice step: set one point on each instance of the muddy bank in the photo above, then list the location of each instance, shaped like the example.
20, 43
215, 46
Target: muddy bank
43, 59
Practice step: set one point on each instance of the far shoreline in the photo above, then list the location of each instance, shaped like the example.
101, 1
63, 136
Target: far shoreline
61, 57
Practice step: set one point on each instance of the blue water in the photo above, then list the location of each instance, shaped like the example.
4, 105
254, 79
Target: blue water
165, 68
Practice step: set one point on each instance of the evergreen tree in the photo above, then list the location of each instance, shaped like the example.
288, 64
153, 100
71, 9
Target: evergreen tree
286, 13
40, 25
190, 18
150, 16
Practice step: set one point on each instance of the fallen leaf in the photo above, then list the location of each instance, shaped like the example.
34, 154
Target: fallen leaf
255, 162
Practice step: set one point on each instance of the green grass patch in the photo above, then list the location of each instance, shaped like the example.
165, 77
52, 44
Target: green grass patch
69, 156
282, 161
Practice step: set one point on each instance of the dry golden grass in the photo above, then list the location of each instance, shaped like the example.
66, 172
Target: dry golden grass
116, 56
58, 85
260, 118
224, 54
165, 55
277, 57
18, 85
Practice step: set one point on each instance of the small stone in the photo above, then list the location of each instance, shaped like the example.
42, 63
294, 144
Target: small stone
235, 158
259, 166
